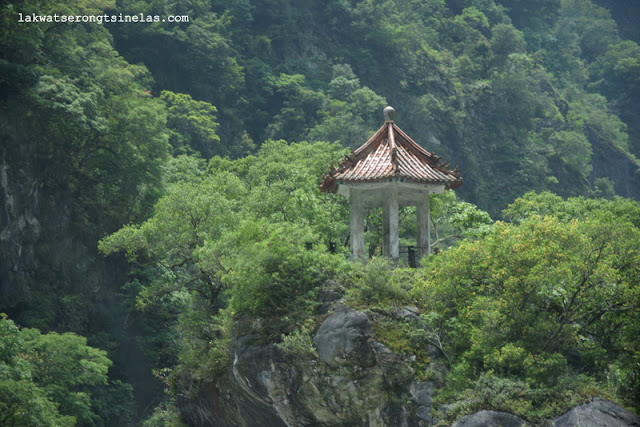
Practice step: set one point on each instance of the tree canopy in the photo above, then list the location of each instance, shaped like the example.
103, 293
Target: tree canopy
194, 150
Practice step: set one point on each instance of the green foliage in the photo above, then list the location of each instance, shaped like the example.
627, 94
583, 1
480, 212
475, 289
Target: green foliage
533, 304
617, 70
615, 75
549, 266
184, 168
549, 204
524, 95
25, 404
573, 149
300, 105
113, 403
454, 220
187, 217
85, 143
299, 343
604, 188
203, 351
51, 379
271, 271
99, 119
200, 231
164, 416
351, 113
505, 40
493, 392
378, 284
593, 26
193, 123
284, 179
630, 388
248, 237
66, 368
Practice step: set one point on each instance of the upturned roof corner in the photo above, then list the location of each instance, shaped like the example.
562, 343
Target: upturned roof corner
391, 154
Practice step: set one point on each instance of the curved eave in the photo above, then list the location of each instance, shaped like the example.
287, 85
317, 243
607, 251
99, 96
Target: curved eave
390, 155
330, 184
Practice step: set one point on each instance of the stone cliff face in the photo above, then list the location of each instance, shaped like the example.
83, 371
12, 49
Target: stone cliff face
597, 413
611, 162
46, 248
352, 380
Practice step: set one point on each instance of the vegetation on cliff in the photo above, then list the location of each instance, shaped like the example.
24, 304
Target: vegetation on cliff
531, 316
181, 146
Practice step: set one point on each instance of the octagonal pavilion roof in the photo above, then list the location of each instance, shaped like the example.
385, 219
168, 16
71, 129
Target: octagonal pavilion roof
391, 155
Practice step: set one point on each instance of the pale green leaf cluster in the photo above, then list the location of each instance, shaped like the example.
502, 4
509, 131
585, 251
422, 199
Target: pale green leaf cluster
48, 379
548, 302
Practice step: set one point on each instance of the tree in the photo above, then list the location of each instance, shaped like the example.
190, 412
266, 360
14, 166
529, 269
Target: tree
67, 370
454, 220
535, 301
280, 184
594, 26
22, 403
188, 216
352, 114
233, 238
615, 75
300, 107
48, 379
193, 123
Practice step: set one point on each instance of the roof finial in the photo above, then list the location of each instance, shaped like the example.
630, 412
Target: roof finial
388, 114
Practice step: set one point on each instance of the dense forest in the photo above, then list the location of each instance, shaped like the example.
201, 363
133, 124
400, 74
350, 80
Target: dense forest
159, 193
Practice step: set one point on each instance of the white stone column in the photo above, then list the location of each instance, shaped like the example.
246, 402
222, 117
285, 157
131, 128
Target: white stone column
356, 216
390, 223
386, 242
424, 226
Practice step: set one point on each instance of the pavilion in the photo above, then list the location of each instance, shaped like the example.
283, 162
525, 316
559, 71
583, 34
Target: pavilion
391, 171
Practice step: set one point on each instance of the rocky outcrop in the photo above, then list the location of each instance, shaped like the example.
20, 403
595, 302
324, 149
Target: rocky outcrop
343, 333
490, 419
47, 248
352, 380
612, 162
598, 412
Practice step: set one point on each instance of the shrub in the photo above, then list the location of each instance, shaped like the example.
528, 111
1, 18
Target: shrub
380, 284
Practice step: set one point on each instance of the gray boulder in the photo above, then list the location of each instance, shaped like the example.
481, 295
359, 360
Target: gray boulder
343, 333
490, 419
597, 413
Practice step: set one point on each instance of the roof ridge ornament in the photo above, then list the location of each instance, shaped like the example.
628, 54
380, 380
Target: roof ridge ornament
388, 114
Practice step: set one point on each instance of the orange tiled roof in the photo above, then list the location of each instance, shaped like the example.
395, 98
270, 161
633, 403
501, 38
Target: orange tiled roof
391, 154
